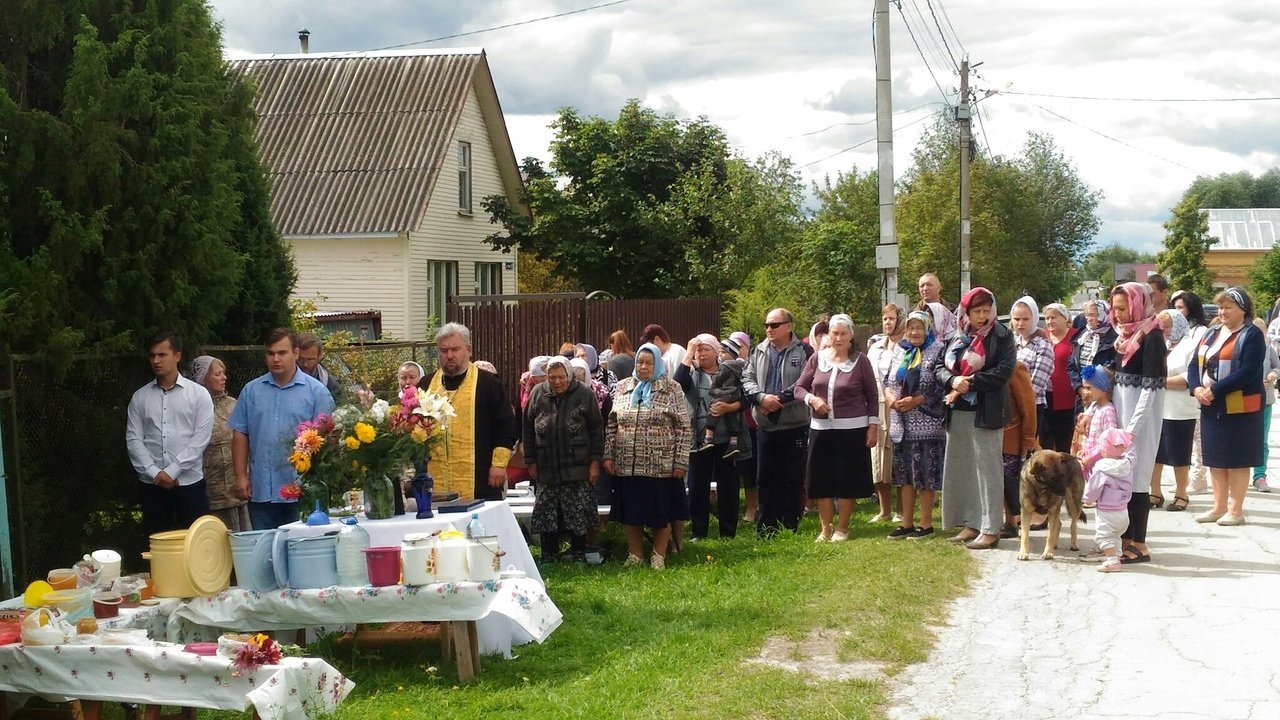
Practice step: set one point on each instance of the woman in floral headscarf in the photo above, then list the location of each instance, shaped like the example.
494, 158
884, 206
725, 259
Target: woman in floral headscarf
880, 351
1095, 344
1141, 368
1178, 427
914, 398
975, 368
219, 473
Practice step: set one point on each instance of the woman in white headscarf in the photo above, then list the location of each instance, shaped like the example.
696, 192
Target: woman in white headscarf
219, 472
1181, 410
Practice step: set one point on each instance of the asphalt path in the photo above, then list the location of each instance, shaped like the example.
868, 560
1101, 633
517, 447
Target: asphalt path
1193, 634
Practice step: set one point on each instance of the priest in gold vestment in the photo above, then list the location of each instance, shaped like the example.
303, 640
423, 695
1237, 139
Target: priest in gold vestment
472, 461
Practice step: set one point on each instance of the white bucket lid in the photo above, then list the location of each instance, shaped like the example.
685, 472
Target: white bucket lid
105, 557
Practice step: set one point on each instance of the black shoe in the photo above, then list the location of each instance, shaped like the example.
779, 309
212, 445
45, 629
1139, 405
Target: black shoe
900, 533
732, 453
920, 533
704, 447
1008, 531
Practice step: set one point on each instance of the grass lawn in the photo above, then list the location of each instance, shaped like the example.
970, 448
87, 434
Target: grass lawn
673, 644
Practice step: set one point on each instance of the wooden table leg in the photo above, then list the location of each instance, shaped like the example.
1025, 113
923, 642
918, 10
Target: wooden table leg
466, 649
87, 709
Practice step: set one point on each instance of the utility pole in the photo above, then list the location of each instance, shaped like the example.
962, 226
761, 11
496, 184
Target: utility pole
966, 140
887, 248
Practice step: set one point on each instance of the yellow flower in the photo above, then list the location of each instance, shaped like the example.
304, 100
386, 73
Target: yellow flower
302, 464
365, 432
419, 434
351, 442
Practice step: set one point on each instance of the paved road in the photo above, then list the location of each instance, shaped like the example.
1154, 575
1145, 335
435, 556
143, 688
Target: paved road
1192, 635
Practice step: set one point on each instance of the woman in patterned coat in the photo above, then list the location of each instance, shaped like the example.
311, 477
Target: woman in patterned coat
646, 448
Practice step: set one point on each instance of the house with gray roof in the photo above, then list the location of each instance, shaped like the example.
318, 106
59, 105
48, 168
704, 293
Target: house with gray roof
378, 162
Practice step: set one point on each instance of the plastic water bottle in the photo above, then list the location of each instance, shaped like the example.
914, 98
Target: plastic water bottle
475, 528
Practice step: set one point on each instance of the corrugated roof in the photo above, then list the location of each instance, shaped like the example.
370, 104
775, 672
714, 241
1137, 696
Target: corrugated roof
353, 142
1243, 229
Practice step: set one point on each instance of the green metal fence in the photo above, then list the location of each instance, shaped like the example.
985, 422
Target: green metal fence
70, 487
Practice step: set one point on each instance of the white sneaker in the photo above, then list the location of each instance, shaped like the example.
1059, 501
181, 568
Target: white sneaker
838, 536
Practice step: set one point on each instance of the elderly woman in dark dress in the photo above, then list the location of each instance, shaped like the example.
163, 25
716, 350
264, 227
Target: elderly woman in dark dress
1226, 377
563, 448
916, 414
839, 387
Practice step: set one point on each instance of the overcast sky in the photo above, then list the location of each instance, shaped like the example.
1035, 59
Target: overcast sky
771, 73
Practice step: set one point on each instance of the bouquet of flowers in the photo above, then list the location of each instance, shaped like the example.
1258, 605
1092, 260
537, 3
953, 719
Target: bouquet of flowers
369, 438
257, 650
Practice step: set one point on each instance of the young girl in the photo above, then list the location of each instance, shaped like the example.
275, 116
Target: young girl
1107, 456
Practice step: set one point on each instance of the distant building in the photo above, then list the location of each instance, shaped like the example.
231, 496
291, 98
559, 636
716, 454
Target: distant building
1132, 272
1243, 237
378, 163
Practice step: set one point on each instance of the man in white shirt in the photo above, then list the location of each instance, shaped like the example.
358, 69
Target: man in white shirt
672, 353
169, 423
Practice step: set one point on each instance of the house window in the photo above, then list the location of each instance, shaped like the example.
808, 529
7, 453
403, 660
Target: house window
489, 278
464, 178
443, 275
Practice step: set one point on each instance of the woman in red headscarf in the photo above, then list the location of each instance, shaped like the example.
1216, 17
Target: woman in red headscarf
975, 368
1140, 366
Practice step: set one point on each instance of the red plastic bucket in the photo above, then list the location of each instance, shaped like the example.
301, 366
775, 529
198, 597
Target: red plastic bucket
384, 565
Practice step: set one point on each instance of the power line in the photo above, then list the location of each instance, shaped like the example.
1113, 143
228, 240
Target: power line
1140, 99
940, 33
982, 127
502, 27
926, 35
955, 36
868, 122
1119, 141
921, 52
917, 121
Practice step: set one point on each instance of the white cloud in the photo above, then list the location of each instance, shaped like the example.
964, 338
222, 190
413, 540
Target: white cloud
768, 72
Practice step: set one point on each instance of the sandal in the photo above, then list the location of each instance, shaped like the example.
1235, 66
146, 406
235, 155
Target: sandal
1157, 501
1179, 504
1136, 557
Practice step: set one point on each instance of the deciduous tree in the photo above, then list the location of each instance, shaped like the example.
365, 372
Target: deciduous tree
1185, 243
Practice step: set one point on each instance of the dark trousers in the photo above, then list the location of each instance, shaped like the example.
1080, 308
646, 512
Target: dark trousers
704, 468
172, 509
271, 515
1139, 513
780, 478
1056, 428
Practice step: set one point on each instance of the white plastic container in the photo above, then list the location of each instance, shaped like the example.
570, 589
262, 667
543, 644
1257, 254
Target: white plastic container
353, 570
418, 558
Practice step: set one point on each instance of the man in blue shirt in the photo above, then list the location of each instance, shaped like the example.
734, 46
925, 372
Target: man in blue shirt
264, 422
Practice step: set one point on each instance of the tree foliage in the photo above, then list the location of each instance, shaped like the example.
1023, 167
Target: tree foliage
1185, 243
649, 206
131, 194
1031, 217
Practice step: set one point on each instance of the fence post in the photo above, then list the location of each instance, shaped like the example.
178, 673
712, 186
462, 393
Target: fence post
7, 587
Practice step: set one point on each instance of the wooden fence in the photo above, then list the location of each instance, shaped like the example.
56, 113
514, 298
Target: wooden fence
507, 330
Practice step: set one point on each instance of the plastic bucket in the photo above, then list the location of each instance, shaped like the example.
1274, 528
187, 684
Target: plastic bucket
484, 559
313, 562
108, 562
62, 579
251, 556
168, 565
384, 565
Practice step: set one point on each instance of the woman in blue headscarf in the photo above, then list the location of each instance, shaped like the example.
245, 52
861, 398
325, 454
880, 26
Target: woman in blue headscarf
916, 427
646, 448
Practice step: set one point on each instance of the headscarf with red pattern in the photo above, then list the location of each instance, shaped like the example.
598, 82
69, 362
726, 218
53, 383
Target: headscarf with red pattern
1142, 319
973, 351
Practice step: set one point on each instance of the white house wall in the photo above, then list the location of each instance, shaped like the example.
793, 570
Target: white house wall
355, 273
448, 235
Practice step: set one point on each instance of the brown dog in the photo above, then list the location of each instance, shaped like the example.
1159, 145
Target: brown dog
1049, 478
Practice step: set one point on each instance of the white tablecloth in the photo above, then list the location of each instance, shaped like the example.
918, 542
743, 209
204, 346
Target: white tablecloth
163, 673
514, 610
495, 515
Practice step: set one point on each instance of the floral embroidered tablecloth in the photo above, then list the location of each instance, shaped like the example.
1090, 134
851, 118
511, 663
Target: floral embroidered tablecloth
521, 602
162, 673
